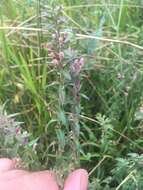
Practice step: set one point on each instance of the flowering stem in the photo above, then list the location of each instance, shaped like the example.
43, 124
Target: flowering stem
75, 108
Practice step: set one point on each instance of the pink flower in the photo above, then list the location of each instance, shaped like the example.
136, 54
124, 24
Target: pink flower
77, 66
61, 56
17, 130
55, 62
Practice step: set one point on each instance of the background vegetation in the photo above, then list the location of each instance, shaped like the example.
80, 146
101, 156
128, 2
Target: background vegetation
71, 88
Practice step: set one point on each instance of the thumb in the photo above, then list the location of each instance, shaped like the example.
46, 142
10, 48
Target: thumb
77, 180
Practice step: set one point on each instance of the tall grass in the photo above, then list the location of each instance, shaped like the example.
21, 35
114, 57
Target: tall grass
93, 118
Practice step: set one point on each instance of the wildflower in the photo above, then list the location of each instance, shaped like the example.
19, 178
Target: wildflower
55, 62
61, 56
77, 66
25, 140
17, 130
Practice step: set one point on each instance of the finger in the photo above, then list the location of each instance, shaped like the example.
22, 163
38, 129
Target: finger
12, 174
6, 164
77, 180
44, 180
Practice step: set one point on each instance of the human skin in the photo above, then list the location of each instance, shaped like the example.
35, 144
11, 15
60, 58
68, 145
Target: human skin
14, 179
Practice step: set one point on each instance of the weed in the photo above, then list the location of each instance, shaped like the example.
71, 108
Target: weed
72, 70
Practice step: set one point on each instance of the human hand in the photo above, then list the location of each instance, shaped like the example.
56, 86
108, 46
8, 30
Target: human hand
14, 179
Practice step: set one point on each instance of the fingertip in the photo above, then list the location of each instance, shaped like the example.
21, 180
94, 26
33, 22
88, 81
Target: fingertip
77, 180
6, 164
82, 172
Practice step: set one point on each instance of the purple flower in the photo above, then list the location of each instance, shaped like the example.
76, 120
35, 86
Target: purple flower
77, 66
61, 56
25, 140
17, 130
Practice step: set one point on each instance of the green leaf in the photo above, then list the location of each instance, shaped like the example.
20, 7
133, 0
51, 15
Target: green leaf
62, 117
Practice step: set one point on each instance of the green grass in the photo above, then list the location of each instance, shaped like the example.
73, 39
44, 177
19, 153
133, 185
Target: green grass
109, 36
